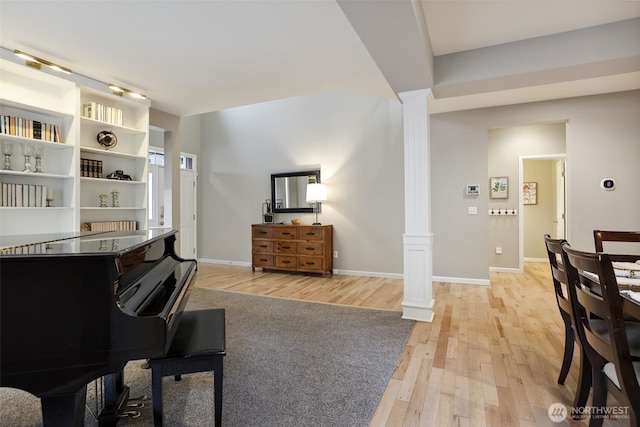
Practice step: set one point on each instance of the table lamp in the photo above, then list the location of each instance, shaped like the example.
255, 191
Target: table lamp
316, 193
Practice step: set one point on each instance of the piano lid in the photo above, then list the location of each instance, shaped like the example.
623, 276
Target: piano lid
116, 243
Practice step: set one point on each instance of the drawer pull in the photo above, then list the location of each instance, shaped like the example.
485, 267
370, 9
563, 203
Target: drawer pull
311, 263
263, 260
286, 262
263, 246
285, 232
311, 233
309, 249
286, 247
262, 232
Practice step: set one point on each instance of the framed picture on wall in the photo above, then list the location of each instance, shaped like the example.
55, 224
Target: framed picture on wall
499, 186
529, 193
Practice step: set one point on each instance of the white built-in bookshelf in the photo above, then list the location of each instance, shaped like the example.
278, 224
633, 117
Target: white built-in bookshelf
32, 98
129, 155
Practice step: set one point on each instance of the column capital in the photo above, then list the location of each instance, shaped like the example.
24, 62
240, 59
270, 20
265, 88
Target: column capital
418, 94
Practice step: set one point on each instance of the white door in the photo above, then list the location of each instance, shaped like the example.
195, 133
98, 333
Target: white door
187, 214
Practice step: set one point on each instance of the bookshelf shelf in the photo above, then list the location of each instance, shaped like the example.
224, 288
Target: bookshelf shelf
50, 208
103, 152
111, 181
86, 121
121, 208
35, 142
35, 109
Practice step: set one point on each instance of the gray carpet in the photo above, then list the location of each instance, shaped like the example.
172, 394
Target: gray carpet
288, 363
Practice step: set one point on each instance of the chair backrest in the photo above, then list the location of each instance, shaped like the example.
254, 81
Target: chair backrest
601, 236
554, 251
592, 277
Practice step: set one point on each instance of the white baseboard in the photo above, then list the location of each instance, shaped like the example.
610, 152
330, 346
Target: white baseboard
399, 276
224, 262
505, 270
536, 259
369, 274
335, 271
461, 280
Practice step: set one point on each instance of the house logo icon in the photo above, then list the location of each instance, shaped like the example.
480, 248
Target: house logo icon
557, 412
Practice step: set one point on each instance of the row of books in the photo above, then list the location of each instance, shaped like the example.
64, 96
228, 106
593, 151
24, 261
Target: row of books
26, 128
124, 225
91, 168
24, 195
103, 113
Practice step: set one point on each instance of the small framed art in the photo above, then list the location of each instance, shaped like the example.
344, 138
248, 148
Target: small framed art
499, 186
529, 193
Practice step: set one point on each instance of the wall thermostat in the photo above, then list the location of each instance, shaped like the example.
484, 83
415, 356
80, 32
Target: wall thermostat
608, 184
473, 190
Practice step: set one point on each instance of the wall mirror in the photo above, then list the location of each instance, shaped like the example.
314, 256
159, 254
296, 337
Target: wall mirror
289, 191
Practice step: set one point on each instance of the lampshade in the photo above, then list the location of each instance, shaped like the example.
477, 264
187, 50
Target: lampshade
316, 193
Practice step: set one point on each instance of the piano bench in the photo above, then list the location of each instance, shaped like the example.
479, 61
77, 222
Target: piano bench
198, 346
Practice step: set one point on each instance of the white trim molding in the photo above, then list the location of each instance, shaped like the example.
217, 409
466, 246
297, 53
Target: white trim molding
418, 303
462, 280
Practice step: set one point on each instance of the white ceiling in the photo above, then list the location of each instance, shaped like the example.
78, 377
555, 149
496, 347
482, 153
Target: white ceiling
192, 57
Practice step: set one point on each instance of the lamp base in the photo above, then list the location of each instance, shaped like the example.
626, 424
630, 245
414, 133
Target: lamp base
316, 223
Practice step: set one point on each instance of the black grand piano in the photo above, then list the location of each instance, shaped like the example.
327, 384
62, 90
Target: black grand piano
75, 307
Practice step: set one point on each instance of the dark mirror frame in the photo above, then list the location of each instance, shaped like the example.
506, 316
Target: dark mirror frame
313, 173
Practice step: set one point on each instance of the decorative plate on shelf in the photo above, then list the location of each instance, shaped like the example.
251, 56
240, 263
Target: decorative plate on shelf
107, 139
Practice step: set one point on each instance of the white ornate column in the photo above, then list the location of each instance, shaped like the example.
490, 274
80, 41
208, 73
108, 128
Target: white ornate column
418, 303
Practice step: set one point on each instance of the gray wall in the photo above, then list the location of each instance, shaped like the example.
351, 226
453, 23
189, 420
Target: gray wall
601, 141
356, 141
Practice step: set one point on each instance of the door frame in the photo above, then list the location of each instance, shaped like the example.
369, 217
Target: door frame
520, 204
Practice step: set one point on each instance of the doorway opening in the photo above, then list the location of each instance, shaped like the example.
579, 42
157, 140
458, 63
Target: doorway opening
542, 204
159, 192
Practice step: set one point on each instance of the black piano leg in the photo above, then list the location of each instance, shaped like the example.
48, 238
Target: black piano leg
115, 396
66, 410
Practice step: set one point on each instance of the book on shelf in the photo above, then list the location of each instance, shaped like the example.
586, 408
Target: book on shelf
102, 113
26, 128
90, 168
23, 195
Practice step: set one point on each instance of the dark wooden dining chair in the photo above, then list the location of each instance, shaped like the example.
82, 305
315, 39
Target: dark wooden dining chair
612, 353
554, 251
563, 298
602, 236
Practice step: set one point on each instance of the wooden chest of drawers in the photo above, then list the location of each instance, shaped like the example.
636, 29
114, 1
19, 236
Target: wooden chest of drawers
304, 248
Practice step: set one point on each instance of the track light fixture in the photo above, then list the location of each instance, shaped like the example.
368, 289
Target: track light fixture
119, 90
35, 62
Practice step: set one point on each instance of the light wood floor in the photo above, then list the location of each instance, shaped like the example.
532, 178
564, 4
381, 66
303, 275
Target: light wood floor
490, 357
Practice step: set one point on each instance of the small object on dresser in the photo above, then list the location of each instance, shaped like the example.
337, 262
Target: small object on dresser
115, 198
267, 213
296, 221
103, 200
